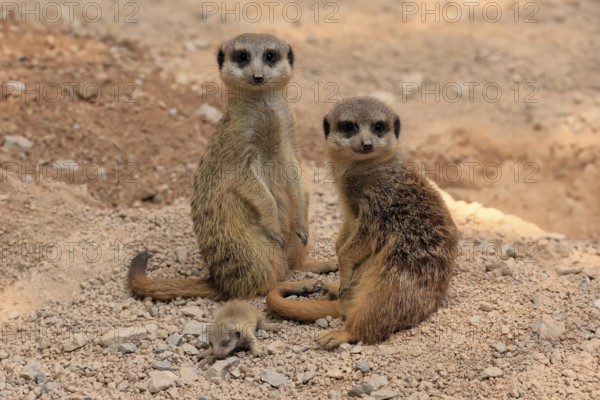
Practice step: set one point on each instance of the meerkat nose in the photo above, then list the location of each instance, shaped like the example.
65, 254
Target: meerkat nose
258, 78
367, 146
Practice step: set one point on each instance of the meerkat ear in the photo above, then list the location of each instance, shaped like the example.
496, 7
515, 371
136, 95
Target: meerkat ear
291, 56
326, 127
397, 127
220, 58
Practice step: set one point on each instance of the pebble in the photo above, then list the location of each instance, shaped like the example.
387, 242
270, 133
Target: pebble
363, 366
174, 339
540, 299
160, 380
383, 394
378, 381
3, 355
190, 349
500, 266
121, 335
322, 323
358, 391
335, 373
77, 341
485, 306
567, 270
192, 311
307, 376
189, 374
209, 112
181, 255
162, 366
276, 347
30, 370
194, 328
50, 387
16, 141
491, 372
356, 350
273, 378
261, 333
500, 347
127, 348
335, 394
220, 368
548, 328
475, 320
596, 304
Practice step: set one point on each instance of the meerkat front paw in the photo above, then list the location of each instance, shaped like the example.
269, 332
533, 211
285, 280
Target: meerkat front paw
301, 231
331, 290
277, 237
258, 352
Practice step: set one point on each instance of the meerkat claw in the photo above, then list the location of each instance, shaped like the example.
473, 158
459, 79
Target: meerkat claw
303, 237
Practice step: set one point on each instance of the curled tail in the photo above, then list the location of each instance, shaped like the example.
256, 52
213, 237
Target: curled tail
307, 311
165, 289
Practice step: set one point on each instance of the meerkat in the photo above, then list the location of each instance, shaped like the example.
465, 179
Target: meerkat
234, 328
397, 244
250, 202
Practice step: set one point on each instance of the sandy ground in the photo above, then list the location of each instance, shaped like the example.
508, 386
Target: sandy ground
521, 317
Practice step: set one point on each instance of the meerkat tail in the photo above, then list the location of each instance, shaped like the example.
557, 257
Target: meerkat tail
307, 311
165, 289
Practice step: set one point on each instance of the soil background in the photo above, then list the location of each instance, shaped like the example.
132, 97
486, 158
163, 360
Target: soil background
101, 127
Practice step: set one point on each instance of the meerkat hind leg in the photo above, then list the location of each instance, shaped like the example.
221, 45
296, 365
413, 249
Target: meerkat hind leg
318, 267
332, 290
301, 288
268, 326
332, 338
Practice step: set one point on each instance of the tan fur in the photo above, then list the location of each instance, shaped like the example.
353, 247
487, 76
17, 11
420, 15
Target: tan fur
235, 328
250, 204
397, 244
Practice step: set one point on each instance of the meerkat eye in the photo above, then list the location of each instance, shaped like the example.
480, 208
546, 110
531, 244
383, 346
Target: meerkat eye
241, 56
347, 127
271, 56
379, 127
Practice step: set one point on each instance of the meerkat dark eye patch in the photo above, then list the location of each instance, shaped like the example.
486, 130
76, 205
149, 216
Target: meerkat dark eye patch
326, 127
221, 58
238, 334
379, 128
349, 128
291, 57
397, 127
241, 57
271, 56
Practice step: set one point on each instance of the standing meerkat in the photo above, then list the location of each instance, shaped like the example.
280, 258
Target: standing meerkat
250, 203
235, 328
397, 244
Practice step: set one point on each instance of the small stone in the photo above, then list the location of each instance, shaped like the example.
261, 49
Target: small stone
596, 303
261, 333
273, 378
3, 355
322, 323
210, 113
189, 374
567, 270
501, 267
335, 374
491, 372
162, 366
276, 347
358, 391
122, 335
195, 328
127, 348
174, 339
500, 347
485, 306
559, 315
475, 320
40, 378
16, 141
30, 370
362, 365
336, 395
344, 347
190, 349
14, 314
50, 387
192, 311
66, 165
540, 299
160, 380
220, 368
356, 350
378, 381
548, 328
383, 394
181, 255
307, 376
76, 342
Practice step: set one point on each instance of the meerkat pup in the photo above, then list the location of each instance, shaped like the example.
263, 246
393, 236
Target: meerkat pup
397, 244
250, 203
234, 328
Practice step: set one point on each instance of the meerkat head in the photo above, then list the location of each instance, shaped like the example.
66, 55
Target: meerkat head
223, 338
255, 62
361, 128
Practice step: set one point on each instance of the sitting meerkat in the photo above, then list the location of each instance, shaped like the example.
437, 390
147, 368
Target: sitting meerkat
249, 203
397, 244
234, 328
